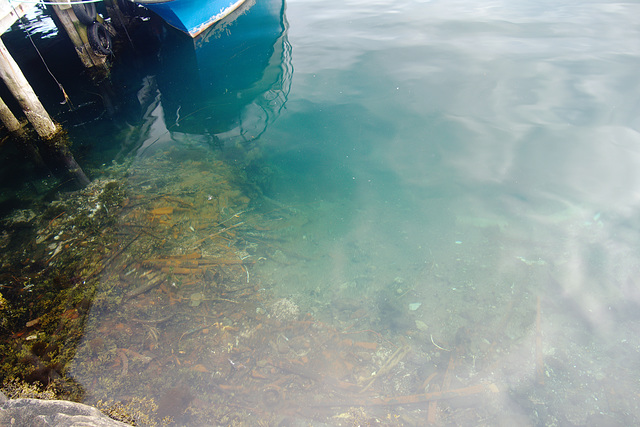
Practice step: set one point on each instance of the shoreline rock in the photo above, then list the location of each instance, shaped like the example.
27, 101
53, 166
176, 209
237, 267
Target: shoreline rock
59, 413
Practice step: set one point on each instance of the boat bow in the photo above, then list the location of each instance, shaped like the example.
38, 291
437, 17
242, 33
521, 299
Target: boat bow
191, 16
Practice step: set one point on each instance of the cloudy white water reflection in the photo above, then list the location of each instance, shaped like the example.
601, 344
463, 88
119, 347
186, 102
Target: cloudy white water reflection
498, 141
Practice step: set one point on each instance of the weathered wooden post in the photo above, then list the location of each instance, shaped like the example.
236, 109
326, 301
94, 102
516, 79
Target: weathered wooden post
78, 34
58, 157
8, 119
24, 94
54, 150
19, 136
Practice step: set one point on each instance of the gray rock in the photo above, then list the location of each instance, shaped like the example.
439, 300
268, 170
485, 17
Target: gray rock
59, 413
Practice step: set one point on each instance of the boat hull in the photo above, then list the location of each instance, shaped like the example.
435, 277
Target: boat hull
191, 16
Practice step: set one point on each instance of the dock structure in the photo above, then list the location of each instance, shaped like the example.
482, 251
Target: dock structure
19, 86
10, 12
54, 151
77, 32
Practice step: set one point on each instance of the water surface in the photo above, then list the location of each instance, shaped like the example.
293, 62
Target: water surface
443, 192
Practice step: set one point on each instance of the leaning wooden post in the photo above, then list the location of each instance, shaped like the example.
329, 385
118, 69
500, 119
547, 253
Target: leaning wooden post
20, 136
55, 143
24, 94
8, 119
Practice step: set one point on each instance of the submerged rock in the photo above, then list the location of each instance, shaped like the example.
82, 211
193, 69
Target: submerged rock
60, 413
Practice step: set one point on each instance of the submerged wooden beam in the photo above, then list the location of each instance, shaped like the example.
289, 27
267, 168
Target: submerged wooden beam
24, 94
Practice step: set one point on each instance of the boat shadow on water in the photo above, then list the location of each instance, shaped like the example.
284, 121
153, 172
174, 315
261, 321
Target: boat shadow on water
223, 87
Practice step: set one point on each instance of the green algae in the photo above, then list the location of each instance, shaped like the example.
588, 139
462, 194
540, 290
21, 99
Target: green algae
49, 285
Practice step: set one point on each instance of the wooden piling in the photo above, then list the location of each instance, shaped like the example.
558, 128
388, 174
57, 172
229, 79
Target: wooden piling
11, 11
54, 151
24, 94
78, 35
8, 119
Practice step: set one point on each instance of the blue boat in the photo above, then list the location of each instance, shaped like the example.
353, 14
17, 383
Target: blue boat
191, 16
232, 81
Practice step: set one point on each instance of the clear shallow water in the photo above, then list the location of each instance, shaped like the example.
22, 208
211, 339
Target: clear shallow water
504, 127
459, 178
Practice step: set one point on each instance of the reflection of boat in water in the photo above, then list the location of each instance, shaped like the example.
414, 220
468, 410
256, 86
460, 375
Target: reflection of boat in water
232, 80
227, 85
191, 16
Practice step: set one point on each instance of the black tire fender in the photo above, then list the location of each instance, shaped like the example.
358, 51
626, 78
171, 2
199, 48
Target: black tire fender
99, 39
85, 12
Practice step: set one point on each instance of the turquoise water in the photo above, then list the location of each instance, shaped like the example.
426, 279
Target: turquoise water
457, 178
479, 137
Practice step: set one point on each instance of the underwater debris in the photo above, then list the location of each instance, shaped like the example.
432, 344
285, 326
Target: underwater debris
151, 281
156, 293
136, 411
391, 362
285, 309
